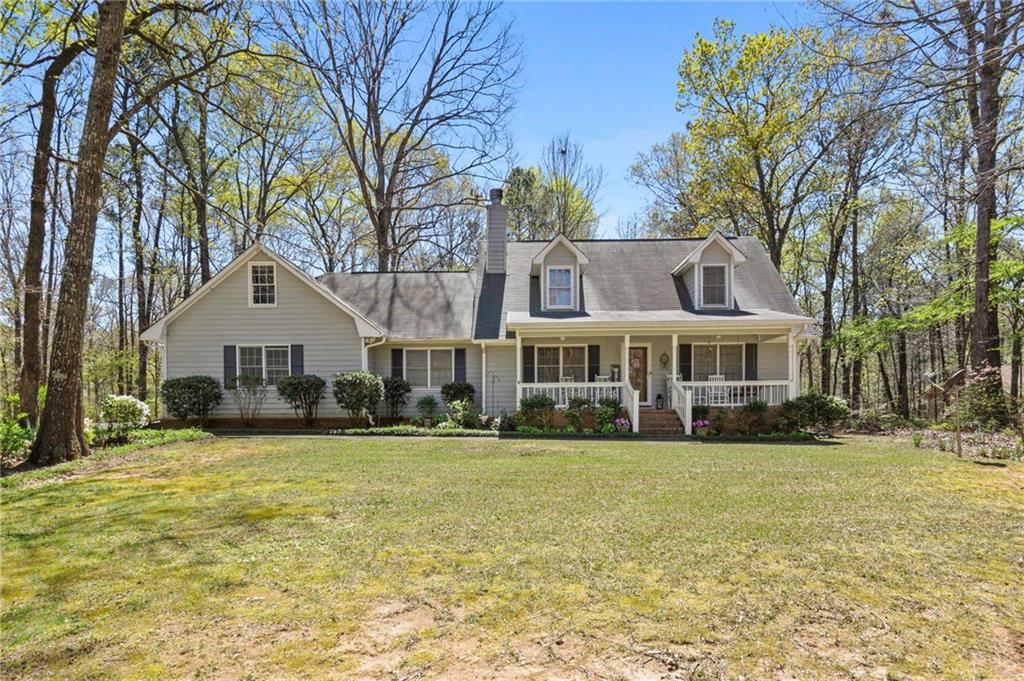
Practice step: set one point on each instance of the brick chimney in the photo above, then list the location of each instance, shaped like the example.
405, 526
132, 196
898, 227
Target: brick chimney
497, 234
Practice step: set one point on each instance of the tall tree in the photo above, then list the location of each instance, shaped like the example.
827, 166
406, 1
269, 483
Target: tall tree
759, 126
61, 436
404, 84
969, 48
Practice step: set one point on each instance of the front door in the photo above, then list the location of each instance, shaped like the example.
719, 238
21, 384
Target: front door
638, 370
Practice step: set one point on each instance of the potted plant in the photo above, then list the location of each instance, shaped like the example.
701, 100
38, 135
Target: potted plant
701, 427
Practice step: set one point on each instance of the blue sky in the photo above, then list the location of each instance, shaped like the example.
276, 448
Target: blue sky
606, 71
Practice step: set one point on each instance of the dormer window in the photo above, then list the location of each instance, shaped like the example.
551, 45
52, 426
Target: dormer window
560, 295
714, 285
262, 284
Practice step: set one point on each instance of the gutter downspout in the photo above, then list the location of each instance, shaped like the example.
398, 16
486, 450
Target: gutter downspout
366, 351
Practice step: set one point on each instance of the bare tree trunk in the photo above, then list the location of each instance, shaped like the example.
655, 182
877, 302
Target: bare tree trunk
902, 386
1015, 367
31, 373
61, 436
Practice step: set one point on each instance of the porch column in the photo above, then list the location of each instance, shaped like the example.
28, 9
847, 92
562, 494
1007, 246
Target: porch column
794, 376
675, 358
519, 367
365, 356
624, 371
483, 376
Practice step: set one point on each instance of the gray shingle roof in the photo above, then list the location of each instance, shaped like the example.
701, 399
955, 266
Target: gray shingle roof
630, 276
624, 279
410, 304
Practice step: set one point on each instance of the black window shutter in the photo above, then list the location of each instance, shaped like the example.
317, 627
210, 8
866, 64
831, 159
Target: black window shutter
460, 365
298, 361
593, 361
750, 370
230, 366
528, 372
397, 368
685, 362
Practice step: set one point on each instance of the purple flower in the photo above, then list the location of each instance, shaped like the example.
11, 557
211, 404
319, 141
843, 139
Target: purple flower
701, 423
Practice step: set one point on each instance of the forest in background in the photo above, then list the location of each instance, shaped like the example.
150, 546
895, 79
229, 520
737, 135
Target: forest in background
878, 156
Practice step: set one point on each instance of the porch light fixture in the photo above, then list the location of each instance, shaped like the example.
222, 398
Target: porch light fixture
660, 401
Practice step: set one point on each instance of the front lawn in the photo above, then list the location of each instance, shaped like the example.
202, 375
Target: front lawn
405, 558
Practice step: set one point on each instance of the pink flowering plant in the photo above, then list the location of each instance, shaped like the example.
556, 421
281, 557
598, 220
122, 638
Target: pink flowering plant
622, 423
701, 423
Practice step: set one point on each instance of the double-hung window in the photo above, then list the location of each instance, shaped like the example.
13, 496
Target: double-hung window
559, 288
262, 284
725, 359
555, 362
714, 286
429, 368
266, 363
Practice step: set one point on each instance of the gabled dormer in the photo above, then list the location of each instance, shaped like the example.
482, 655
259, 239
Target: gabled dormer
708, 272
559, 266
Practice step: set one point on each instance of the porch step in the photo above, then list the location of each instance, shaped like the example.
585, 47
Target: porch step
660, 423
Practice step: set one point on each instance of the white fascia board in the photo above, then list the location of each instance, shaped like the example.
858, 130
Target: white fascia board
694, 257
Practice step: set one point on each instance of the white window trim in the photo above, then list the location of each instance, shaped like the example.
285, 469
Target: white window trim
430, 367
573, 284
728, 285
248, 270
263, 360
718, 359
561, 360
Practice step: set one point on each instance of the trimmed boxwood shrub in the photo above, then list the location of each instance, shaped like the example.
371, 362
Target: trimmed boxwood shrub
396, 395
457, 392
191, 397
303, 393
358, 392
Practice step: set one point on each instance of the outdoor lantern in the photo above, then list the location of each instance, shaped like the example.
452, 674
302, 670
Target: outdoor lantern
661, 402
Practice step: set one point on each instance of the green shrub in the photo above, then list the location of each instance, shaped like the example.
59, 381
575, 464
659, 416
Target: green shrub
426, 406
457, 392
303, 393
581, 414
249, 393
983, 404
15, 439
820, 413
536, 410
358, 392
396, 395
700, 412
191, 397
462, 414
121, 414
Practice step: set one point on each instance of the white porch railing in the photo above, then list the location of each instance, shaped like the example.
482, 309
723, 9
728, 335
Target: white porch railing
735, 393
563, 392
681, 400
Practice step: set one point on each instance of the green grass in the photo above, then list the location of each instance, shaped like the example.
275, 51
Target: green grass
139, 439
390, 557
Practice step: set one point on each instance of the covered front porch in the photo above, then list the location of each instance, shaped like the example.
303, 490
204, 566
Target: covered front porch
647, 371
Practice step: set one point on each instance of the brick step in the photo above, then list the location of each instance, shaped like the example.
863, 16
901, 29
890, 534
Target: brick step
661, 423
